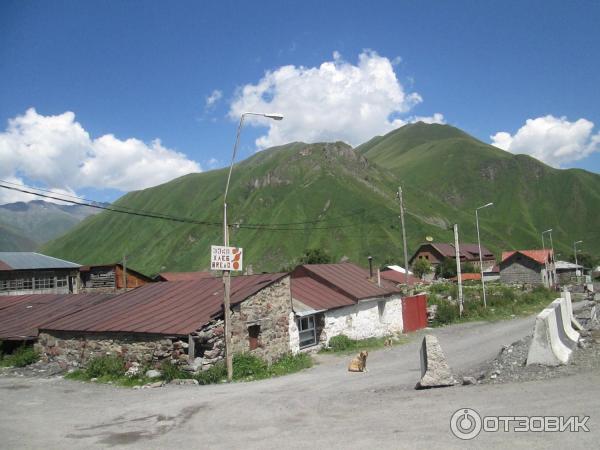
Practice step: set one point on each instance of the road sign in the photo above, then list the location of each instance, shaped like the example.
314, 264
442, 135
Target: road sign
225, 258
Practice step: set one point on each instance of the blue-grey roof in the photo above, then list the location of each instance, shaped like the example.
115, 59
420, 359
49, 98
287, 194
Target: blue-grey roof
31, 260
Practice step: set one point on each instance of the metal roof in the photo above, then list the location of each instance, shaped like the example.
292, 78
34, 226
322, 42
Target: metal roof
32, 260
316, 296
184, 276
21, 316
171, 308
399, 278
540, 256
566, 265
468, 251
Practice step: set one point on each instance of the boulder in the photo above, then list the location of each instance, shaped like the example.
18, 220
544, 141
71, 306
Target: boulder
435, 371
183, 381
153, 373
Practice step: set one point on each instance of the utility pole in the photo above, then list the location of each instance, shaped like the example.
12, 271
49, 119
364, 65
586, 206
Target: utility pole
125, 272
458, 271
480, 255
406, 278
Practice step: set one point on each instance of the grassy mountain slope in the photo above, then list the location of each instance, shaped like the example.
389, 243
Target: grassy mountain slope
350, 193
36, 222
465, 173
353, 201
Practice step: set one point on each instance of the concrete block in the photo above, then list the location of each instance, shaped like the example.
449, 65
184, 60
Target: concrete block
566, 295
547, 348
569, 336
435, 371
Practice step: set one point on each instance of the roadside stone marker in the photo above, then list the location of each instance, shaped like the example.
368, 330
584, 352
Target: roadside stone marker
435, 371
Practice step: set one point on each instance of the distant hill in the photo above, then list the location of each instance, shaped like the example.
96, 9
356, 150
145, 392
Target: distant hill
24, 226
331, 196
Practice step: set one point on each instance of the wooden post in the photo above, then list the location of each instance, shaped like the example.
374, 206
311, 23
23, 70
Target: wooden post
191, 348
125, 272
406, 278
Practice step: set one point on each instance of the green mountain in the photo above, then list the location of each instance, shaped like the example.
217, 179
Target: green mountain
25, 226
330, 196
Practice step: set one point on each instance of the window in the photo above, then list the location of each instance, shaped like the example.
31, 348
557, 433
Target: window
61, 281
253, 335
44, 283
307, 331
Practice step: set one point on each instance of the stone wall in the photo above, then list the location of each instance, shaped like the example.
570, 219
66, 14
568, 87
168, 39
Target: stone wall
521, 270
78, 348
270, 310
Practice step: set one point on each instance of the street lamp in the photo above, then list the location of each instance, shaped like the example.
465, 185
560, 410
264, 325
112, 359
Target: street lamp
226, 273
552, 247
480, 256
575, 250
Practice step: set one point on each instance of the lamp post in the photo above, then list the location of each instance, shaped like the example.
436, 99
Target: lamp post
226, 273
575, 250
480, 256
552, 260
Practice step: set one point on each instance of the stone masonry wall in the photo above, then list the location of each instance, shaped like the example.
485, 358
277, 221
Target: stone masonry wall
77, 349
270, 308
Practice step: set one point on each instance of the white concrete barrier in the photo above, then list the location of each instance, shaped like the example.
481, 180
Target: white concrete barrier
566, 332
574, 322
547, 347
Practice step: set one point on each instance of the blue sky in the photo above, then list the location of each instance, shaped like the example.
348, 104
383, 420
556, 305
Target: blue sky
144, 70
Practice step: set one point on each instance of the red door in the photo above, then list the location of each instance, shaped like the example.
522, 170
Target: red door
414, 312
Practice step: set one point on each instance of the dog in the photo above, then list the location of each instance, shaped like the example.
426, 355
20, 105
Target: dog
388, 342
359, 362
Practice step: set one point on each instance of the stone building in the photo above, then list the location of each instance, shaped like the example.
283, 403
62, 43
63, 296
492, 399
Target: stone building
535, 267
23, 273
179, 321
334, 299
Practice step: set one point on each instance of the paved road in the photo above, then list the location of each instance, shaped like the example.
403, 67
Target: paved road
323, 407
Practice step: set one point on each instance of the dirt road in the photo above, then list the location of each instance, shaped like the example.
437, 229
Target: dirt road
323, 407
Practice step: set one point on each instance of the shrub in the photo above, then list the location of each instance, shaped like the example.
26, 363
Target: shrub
246, 365
213, 375
421, 267
112, 366
291, 363
21, 357
341, 343
447, 312
171, 372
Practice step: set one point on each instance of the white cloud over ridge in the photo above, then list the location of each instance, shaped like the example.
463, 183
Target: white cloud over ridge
553, 140
57, 152
334, 101
213, 98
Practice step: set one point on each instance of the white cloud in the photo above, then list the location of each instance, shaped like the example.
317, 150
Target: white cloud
213, 163
554, 140
58, 153
335, 101
213, 98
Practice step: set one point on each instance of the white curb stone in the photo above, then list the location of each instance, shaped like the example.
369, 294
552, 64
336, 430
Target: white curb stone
546, 347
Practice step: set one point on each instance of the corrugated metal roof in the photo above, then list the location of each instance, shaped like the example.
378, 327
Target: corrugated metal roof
185, 276
22, 318
566, 265
399, 278
171, 308
468, 251
540, 256
32, 260
317, 295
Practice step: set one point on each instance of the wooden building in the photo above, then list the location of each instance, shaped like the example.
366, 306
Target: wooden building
435, 253
110, 278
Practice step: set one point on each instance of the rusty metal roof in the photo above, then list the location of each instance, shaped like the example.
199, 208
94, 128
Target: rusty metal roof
184, 276
400, 278
345, 280
318, 296
170, 308
21, 316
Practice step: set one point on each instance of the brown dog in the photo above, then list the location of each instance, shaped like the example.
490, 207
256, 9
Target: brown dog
388, 342
359, 362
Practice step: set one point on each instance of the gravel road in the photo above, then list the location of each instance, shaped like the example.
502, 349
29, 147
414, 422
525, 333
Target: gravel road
322, 407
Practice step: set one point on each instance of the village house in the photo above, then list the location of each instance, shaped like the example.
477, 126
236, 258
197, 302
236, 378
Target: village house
333, 299
178, 321
110, 278
567, 272
23, 273
534, 267
435, 253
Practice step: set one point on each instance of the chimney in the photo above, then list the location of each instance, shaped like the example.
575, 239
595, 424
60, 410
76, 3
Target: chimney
371, 267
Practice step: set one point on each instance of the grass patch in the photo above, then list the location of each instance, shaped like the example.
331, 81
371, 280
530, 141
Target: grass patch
109, 370
21, 357
344, 345
503, 302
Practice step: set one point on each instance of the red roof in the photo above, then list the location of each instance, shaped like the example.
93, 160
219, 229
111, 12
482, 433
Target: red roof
327, 286
172, 308
21, 316
467, 277
540, 256
184, 276
399, 278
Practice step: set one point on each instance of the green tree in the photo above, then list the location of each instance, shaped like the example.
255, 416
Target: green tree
315, 256
446, 269
421, 267
468, 268
585, 259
